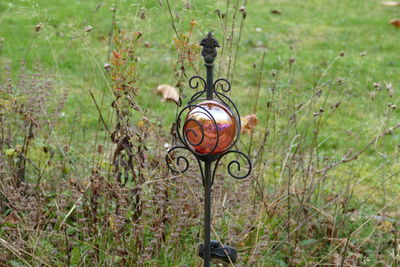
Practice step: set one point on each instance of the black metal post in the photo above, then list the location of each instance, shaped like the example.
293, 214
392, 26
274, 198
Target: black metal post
209, 53
207, 214
210, 248
209, 83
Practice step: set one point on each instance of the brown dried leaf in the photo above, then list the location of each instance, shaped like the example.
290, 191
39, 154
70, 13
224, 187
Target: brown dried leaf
248, 123
391, 3
168, 92
395, 22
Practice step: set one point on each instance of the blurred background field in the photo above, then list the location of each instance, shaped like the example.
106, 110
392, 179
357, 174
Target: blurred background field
321, 76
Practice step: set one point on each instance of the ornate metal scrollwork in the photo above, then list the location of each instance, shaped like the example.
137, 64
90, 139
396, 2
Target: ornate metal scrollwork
187, 144
169, 158
173, 162
236, 163
200, 110
219, 81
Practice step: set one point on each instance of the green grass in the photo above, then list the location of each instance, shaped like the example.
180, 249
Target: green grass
315, 30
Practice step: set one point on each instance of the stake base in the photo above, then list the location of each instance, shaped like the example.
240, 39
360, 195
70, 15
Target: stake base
219, 251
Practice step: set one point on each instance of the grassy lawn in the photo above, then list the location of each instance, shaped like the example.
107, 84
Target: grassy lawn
310, 32
315, 54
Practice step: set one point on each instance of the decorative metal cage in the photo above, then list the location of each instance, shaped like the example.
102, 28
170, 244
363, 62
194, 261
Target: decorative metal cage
209, 130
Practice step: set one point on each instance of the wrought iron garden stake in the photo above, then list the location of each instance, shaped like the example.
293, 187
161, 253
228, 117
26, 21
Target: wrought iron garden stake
210, 129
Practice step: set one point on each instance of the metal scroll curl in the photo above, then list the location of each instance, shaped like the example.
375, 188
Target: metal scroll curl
238, 167
235, 162
183, 134
227, 101
175, 167
194, 83
221, 82
232, 107
180, 164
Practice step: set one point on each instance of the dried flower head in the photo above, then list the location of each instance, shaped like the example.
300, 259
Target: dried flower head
243, 10
38, 27
390, 89
88, 28
142, 13
218, 12
187, 4
378, 86
372, 95
336, 105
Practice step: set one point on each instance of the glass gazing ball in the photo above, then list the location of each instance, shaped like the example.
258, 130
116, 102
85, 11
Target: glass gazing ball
201, 132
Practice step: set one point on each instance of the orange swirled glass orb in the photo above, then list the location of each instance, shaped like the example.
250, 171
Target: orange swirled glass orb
199, 122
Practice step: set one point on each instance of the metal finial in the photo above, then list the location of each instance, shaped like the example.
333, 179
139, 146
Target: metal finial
209, 51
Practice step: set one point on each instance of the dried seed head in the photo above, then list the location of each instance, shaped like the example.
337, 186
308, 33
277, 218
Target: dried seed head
88, 28
389, 88
243, 10
193, 23
336, 105
292, 60
145, 120
142, 13
38, 27
341, 53
138, 35
372, 95
378, 86
218, 13
340, 80
293, 118
187, 4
